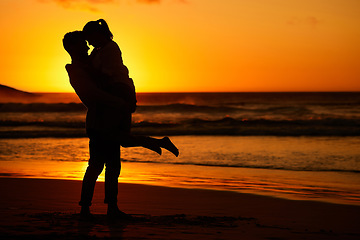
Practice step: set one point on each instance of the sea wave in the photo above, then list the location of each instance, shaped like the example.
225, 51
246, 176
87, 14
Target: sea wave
284, 110
263, 108
41, 107
242, 165
193, 126
176, 107
238, 114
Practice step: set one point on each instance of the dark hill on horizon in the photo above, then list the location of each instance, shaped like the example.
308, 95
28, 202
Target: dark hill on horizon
13, 95
9, 94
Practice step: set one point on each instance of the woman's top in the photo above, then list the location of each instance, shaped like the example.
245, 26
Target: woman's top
111, 73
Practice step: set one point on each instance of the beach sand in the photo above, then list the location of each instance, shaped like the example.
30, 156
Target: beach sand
48, 209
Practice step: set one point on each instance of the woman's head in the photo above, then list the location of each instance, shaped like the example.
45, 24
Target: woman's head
97, 32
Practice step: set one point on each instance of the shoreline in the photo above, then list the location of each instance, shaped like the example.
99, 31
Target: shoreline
41, 204
230, 127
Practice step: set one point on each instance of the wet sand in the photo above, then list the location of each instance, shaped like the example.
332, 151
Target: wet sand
48, 209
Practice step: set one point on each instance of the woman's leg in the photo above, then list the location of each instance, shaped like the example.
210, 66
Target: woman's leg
129, 140
141, 141
151, 143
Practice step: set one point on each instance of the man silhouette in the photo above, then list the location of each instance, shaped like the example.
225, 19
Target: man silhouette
104, 149
106, 126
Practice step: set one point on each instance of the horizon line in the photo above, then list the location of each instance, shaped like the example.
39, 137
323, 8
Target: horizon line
265, 91
232, 92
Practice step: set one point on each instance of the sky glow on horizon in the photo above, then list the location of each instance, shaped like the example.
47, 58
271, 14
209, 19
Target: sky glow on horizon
191, 45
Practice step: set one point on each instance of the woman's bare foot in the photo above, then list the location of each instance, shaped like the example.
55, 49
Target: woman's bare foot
168, 145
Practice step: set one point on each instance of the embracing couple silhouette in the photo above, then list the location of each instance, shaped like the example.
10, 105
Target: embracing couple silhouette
102, 82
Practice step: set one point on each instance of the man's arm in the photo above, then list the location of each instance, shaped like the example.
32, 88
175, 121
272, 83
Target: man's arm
88, 92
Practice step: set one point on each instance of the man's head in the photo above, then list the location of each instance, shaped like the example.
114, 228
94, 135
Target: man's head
75, 44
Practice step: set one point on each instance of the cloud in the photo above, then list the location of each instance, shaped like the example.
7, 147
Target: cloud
310, 21
159, 1
92, 5
87, 5
149, 1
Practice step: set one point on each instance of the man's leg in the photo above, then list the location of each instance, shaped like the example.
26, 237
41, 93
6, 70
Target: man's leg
95, 167
112, 172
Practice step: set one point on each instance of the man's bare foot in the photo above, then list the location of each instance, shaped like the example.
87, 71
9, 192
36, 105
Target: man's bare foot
85, 214
114, 213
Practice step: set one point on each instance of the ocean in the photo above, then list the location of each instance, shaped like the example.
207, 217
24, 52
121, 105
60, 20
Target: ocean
289, 145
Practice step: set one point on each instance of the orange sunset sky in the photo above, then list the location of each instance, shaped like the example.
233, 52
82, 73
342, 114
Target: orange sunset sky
191, 45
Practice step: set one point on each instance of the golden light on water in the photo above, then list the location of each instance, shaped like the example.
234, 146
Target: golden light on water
202, 164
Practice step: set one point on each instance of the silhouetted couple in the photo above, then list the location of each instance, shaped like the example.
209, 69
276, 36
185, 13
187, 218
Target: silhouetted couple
102, 82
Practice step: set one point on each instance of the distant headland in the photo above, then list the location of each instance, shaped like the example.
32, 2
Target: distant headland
9, 94
13, 95
9, 90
